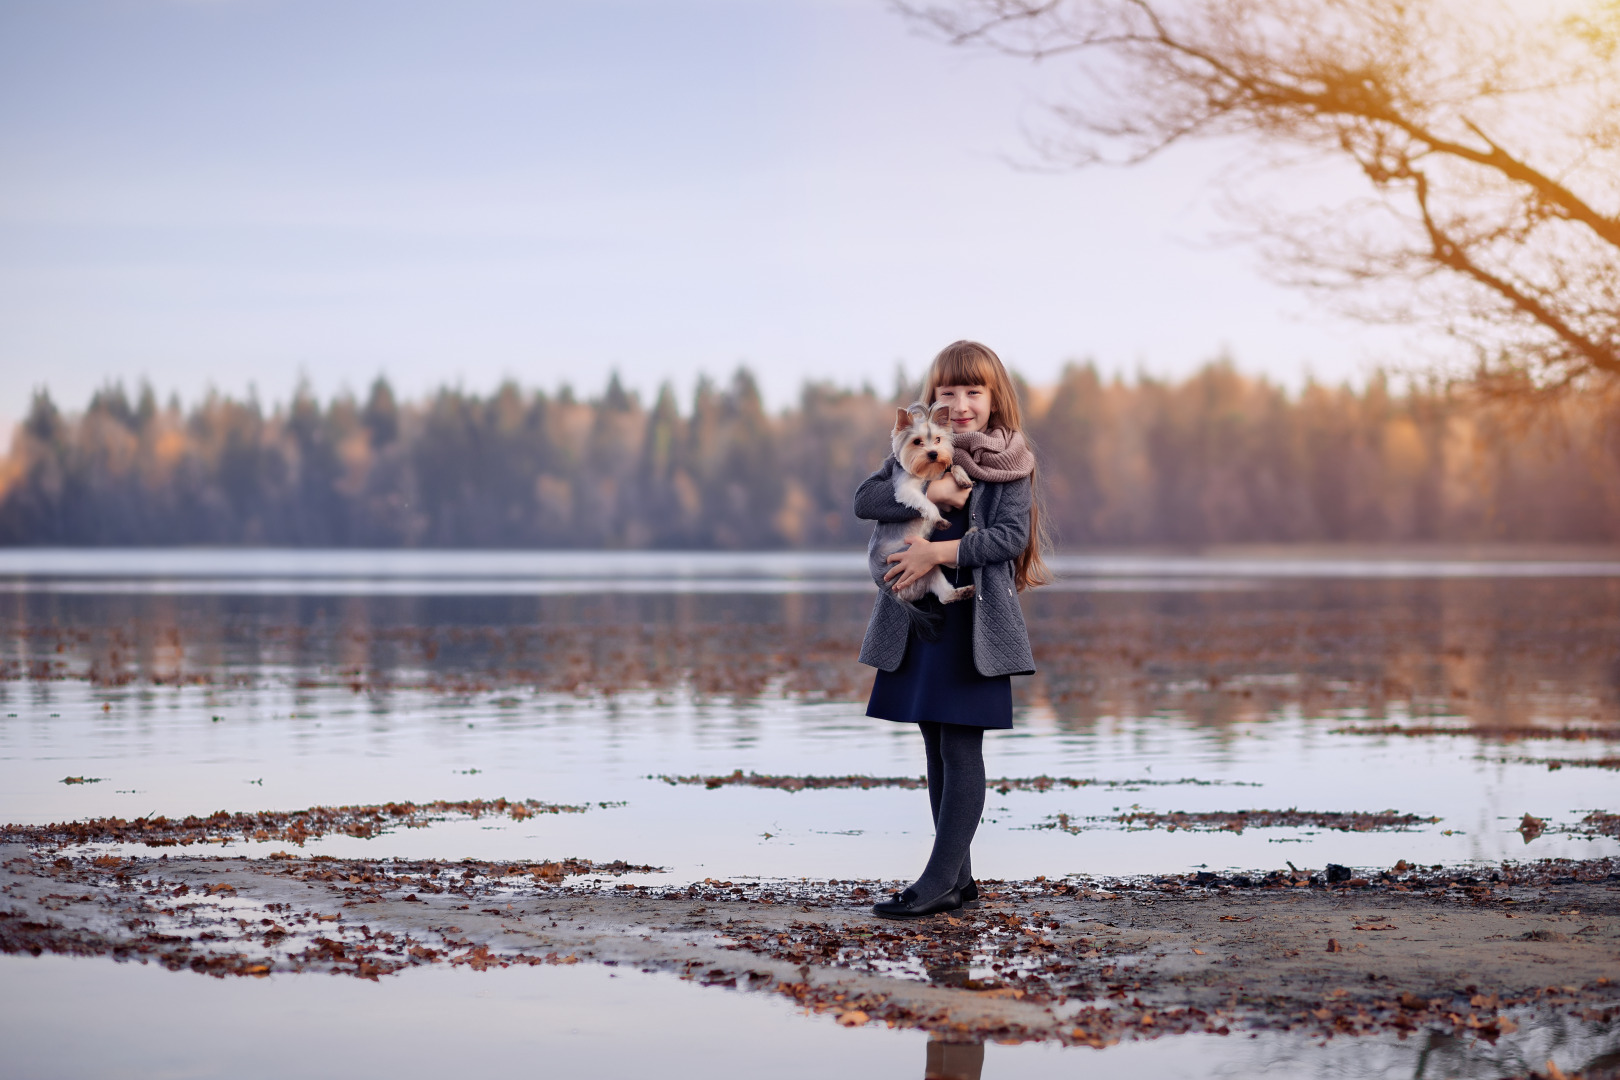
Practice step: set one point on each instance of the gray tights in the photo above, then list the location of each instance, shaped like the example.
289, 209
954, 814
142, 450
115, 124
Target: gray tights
956, 796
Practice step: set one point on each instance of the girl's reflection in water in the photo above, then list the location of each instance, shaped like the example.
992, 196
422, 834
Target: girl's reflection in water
953, 1060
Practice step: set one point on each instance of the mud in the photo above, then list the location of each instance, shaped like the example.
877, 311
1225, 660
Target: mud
1498, 732
293, 826
1238, 820
1001, 785
1467, 951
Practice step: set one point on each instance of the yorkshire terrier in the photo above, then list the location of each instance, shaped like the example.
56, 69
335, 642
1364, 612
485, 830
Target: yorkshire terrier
921, 442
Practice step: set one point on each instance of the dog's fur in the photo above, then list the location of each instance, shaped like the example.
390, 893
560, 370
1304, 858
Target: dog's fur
921, 442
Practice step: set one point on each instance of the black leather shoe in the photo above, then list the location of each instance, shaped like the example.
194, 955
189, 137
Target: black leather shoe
906, 905
970, 894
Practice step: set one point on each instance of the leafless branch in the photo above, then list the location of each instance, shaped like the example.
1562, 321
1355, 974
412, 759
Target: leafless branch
1490, 137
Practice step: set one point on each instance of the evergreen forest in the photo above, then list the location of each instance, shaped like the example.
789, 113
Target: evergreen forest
1220, 457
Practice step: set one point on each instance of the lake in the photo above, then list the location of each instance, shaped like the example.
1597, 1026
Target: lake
1404, 708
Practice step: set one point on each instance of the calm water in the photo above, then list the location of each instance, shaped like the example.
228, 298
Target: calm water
186, 682
590, 1021
195, 681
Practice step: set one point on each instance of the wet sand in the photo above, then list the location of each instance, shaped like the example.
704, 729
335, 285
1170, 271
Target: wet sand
1073, 962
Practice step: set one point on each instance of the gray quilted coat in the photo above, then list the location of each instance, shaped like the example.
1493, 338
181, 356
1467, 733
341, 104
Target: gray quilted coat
999, 516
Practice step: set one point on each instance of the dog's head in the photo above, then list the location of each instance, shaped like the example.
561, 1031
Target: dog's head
922, 440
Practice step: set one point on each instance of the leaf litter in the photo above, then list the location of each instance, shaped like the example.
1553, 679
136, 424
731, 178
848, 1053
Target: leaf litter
1078, 961
1002, 785
1504, 732
1238, 820
293, 826
1554, 764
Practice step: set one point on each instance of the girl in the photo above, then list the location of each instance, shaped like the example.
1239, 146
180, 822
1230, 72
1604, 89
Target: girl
956, 686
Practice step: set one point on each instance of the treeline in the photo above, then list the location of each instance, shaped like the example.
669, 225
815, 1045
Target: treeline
1220, 457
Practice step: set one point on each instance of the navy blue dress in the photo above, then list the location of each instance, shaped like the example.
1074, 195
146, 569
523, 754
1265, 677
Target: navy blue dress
937, 680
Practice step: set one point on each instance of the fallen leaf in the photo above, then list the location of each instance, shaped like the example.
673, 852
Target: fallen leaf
1334, 946
852, 1018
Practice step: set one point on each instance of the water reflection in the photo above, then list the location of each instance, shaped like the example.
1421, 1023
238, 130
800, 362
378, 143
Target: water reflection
581, 697
589, 1020
953, 1060
1494, 653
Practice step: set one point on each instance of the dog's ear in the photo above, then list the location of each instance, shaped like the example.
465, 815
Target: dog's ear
902, 419
941, 415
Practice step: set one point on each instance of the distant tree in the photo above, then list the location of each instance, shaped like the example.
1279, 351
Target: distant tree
1218, 457
381, 414
1486, 132
33, 477
664, 492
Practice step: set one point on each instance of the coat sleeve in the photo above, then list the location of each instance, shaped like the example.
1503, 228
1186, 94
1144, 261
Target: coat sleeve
875, 501
1003, 539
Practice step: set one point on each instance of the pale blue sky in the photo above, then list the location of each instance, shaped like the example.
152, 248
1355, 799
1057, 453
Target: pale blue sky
226, 192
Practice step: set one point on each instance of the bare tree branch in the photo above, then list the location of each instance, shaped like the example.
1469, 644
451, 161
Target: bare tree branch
1492, 135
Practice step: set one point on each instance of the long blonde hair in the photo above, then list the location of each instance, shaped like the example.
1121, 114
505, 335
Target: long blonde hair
967, 363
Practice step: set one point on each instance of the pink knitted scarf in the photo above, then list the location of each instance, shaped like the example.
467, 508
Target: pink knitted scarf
995, 456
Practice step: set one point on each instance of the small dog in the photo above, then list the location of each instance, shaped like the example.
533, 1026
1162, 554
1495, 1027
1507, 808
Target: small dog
922, 445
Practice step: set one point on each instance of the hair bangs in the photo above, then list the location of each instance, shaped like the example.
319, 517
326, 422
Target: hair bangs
968, 363
964, 363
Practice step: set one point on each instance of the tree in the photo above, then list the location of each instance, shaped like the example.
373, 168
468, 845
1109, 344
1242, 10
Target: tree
1487, 133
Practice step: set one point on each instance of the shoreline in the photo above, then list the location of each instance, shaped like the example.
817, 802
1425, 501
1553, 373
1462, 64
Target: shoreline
1066, 961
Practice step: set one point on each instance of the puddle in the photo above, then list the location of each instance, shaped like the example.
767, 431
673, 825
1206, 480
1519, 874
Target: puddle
586, 1020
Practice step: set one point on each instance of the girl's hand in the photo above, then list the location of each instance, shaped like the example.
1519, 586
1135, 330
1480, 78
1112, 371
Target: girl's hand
947, 492
919, 557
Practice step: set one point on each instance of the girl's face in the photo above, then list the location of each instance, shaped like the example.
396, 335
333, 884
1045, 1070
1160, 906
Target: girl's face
969, 405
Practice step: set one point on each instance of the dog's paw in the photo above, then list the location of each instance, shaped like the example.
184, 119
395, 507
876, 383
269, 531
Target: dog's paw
964, 593
961, 477
943, 524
